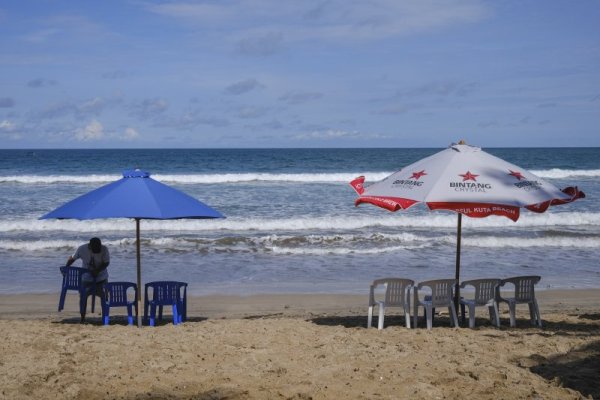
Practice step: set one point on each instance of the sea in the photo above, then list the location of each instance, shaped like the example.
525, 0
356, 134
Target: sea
291, 225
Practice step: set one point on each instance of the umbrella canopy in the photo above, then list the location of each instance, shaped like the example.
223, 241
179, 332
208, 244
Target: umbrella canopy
467, 180
136, 196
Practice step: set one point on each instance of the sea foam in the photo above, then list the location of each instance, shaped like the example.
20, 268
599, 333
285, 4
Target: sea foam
316, 177
397, 220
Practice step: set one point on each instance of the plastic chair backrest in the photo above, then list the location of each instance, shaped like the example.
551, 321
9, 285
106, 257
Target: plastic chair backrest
395, 290
115, 293
524, 286
72, 277
485, 289
165, 292
441, 291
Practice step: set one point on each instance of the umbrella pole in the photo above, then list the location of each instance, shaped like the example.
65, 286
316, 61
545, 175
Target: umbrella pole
139, 273
457, 273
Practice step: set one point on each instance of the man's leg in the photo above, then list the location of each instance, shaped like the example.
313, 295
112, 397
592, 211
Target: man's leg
83, 302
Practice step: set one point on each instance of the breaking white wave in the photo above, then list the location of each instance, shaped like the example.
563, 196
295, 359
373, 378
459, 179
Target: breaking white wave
215, 178
316, 244
334, 177
48, 179
329, 223
557, 173
524, 242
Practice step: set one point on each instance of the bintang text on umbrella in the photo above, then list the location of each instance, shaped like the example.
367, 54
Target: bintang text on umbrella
469, 181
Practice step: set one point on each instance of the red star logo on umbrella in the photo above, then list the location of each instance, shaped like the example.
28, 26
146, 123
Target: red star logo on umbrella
517, 175
469, 176
417, 175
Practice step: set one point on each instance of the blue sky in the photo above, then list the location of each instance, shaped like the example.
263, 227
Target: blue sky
273, 73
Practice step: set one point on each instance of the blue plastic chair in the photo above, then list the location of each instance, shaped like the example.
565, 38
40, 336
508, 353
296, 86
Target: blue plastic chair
115, 295
72, 281
166, 293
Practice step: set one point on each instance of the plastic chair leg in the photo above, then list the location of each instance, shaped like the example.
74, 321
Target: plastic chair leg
415, 315
429, 316
61, 300
130, 314
494, 314
175, 316
370, 317
454, 317
497, 314
146, 305
532, 314
152, 314
537, 312
381, 316
512, 311
407, 316
471, 315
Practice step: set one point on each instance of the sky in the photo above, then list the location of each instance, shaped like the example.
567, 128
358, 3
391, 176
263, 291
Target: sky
310, 73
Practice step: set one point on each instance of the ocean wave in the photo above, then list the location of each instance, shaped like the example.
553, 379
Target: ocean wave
314, 244
585, 242
557, 173
334, 177
331, 177
328, 223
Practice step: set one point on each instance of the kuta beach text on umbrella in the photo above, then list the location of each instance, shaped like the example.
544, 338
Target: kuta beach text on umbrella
136, 196
467, 180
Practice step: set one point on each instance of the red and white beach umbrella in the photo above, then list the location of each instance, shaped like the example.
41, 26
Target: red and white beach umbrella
467, 180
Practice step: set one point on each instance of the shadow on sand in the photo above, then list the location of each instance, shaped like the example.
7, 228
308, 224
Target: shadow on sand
578, 369
122, 320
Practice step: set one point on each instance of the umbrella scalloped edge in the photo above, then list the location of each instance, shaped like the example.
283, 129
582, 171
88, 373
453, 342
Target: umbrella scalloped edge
473, 210
389, 203
572, 191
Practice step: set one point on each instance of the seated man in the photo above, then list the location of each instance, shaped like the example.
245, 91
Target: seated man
94, 256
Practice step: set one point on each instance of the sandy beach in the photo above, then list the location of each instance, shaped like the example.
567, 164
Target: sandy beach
297, 347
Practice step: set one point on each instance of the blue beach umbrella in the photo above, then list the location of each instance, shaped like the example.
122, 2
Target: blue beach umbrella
136, 196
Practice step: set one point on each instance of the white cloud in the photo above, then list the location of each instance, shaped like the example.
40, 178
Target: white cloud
333, 20
92, 131
9, 129
92, 106
130, 134
333, 134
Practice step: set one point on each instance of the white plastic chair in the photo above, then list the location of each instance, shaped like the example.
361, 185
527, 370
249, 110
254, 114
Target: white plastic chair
485, 295
397, 294
524, 294
441, 296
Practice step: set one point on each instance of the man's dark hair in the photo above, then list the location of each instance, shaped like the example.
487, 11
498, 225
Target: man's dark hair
95, 245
